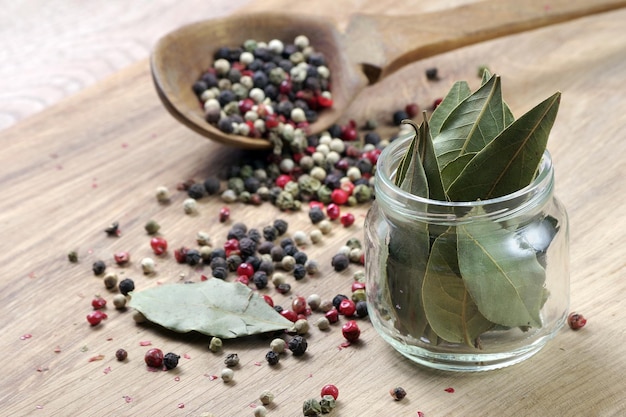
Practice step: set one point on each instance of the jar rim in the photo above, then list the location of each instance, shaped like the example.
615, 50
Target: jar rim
389, 159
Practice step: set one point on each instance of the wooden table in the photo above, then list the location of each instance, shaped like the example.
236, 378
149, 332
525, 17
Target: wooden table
71, 170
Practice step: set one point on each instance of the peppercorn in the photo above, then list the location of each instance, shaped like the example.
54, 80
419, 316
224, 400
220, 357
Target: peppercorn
266, 266
325, 227
152, 227
278, 345
219, 272
337, 299
347, 307
119, 301
283, 288
576, 321
315, 236
281, 226
154, 358
265, 247
193, 257
190, 206
327, 404
95, 317
311, 407
215, 345
196, 191
300, 257
260, 279
110, 280
236, 233
299, 272
340, 262
270, 233
272, 357
121, 258
227, 374
298, 345
397, 393
121, 355
224, 214
351, 331
72, 257
399, 116
231, 360
170, 360
247, 246
288, 263
266, 397
126, 285
147, 265
316, 215
113, 229
162, 194
212, 185
290, 250
99, 267
255, 235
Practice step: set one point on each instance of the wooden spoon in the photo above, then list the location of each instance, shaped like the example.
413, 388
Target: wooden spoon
371, 48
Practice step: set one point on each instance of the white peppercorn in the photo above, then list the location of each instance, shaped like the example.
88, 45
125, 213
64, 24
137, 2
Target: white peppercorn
326, 306
297, 115
325, 226
119, 301
278, 278
322, 323
301, 41
323, 72
229, 196
288, 263
301, 326
278, 345
260, 411
207, 95
147, 265
325, 139
246, 58
359, 276
287, 165
353, 173
190, 206
317, 172
246, 81
205, 252
300, 238
323, 149
315, 236
227, 374
355, 255
222, 66
332, 158
337, 145
266, 397
257, 95
203, 238
344, 250
162, 194
314, 301
138, 316
110, 280
319, 158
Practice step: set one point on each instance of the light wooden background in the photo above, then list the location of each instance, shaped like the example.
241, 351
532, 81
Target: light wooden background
51, 49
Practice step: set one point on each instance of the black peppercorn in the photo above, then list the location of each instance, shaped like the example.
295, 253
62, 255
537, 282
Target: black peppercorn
278, 308
277, 253
231, 360
361, 309
218, 253
399, 116
247, 246
209, 79
126, 285
286, 242
338, 299
270, 233
254, 261
298, 345
335, 130
219, 272
300, 257
299, 272
290, 250
260, 279
170, 360
272, 357
121, 354
235, 233
372, 138
225, 125
281, 226
255, 235
196, 191
316, 215
113, 229
99, 267
340, 262
267, 267
199, 87
233, 262
212, 185
431, 74
193, 257
397, 393
283, 288
218, 262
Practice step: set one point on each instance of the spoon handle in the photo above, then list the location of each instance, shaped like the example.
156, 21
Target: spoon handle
384, 44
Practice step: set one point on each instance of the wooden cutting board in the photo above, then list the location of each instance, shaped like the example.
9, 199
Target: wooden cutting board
70, 171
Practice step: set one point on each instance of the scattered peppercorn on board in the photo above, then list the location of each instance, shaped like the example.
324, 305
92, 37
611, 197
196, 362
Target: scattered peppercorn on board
97, 158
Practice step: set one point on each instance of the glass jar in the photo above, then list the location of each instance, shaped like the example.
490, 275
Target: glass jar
466, 286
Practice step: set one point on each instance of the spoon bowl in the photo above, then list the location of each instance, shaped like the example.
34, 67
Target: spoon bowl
371, 48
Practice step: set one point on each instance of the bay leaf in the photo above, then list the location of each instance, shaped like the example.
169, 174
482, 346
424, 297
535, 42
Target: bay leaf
474, 123
508, 114
459, 92
509, 162
453, 169
403, 166
503, 276
449, 308
415, 181
213, 307
407, 248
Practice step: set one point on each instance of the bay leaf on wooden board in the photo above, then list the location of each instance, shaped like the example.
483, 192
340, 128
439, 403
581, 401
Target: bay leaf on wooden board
449, 308
502, 275
510, 161
213, 307
459, 91
471, 125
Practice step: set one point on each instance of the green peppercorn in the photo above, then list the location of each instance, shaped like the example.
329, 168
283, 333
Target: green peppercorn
311, 407
298, 345
359, 276
353, 243
327, 403
285, 200
215, 345
362, 193
72, 257
152, 227
358, 295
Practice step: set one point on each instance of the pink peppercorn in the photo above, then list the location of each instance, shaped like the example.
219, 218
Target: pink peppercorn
332, 315
246, 269
282, 180
351, 331
339, 196
347, 307
158, 245
333, 211
95, 317
331, 390
289, 315
121, 258
98, 303
268, 300
347, 220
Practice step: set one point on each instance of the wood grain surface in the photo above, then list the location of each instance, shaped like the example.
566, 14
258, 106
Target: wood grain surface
97, 157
